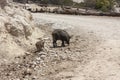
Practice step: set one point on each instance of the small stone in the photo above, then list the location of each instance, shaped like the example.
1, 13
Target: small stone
34, 78
42, 56
27, 72
34, 63
27, 53
42, 53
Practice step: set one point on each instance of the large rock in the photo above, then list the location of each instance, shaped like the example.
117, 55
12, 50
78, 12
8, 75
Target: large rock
22, 20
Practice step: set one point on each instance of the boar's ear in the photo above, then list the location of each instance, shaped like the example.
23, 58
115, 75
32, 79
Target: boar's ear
71, 36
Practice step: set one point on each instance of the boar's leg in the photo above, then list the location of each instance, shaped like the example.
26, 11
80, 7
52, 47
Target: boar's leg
54, 43
63, 44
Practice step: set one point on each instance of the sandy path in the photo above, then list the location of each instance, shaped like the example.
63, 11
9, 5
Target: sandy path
106, 63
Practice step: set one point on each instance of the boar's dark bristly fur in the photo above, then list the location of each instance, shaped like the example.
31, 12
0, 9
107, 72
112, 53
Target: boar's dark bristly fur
59, 34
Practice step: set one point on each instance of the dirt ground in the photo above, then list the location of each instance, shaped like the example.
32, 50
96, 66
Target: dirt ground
93, 54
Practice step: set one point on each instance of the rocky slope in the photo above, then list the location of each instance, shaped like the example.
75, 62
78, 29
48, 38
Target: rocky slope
18, 32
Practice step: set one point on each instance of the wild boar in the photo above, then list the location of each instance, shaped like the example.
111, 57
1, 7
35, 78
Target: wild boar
39, 45
59, 34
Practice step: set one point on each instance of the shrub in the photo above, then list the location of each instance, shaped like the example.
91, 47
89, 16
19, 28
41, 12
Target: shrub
103, 5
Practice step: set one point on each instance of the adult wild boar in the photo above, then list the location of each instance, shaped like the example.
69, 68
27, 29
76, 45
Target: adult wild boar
59, 34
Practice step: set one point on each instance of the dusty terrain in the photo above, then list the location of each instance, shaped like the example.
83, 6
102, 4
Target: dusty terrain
100, 36
93, 54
